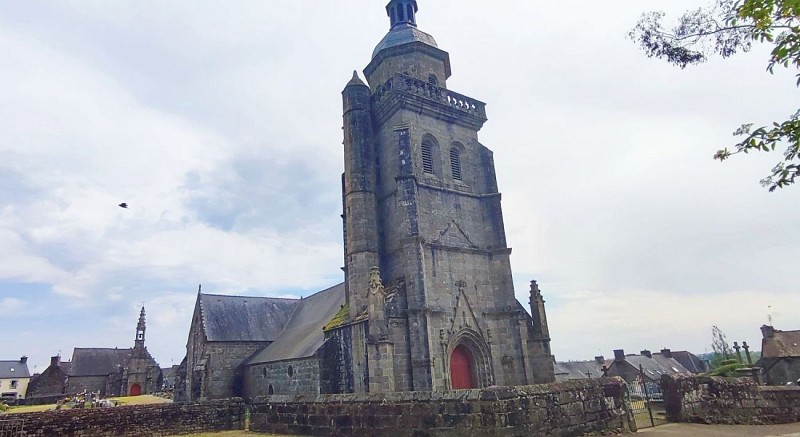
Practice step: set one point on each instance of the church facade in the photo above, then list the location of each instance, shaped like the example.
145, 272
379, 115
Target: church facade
427, 272
428, 301
115, 372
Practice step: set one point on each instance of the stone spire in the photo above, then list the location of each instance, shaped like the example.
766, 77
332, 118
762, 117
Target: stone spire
402, 12
140, 328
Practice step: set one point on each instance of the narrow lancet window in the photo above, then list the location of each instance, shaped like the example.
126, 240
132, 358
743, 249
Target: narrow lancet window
427, 157
455, 163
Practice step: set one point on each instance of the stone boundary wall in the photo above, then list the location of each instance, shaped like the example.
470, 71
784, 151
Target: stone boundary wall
717, 400
136, 420
571, 408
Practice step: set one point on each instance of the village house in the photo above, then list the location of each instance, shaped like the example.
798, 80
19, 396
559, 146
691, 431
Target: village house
14, 379
652, 365
780, 356
50, 385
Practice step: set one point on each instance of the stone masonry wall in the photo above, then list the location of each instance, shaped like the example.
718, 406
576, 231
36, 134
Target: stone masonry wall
571, 408
705, 399
137, 421
301, 376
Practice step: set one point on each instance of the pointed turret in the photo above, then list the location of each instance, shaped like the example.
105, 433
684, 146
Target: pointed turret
140, 328
359, 188
355, 81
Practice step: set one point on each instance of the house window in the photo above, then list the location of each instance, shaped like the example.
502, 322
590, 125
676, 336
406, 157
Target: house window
13, 383
455, 163
427, 157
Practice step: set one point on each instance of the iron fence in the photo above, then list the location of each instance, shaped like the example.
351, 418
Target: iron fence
12, 427
647, 402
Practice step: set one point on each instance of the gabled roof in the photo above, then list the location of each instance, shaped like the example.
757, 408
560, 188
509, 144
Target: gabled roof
303, 334
97, 361
782, 344
240, 318
654, 367
569, 370
690, 361
14, 369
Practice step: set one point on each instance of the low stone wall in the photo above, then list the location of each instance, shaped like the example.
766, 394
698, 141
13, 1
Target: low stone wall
571, 408
706, 399
136, 421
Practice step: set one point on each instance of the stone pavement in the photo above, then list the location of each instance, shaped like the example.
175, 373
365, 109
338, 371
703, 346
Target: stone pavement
692, 430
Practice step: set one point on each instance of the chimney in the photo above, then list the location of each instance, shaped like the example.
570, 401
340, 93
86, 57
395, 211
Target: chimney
600, 360
646, 353
23, 359
767, 331
619, 355
55, 361
666, 353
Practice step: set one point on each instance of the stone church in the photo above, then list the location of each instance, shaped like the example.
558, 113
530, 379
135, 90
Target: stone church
428, 300
115, 372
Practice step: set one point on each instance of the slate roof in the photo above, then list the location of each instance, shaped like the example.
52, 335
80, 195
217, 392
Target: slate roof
97, 361
690, 361
782, 344
570, 370
656, 366
403, 34
240, 318
303, 335
14, 369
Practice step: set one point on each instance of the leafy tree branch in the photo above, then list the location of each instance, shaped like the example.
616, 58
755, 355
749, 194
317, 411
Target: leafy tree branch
725, 28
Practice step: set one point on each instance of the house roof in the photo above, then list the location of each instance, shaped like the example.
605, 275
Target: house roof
569, 370
654, 367
14, 369
690, 361
781, 344
240, 318
97, 361
303, 335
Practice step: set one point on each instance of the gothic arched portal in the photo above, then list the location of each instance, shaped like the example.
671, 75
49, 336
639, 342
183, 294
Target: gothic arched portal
462, 369
469, 361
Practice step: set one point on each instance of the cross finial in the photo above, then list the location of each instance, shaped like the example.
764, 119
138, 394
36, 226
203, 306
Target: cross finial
402, 12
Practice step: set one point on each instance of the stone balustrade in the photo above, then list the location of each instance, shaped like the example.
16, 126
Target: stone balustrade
405, 84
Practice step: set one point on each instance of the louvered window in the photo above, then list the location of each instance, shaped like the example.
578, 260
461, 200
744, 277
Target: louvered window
455, 163
427, 157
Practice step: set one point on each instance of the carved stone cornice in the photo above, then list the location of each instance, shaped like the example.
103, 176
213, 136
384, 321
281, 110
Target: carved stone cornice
405, 92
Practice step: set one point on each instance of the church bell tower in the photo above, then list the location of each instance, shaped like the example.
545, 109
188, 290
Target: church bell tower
430, 293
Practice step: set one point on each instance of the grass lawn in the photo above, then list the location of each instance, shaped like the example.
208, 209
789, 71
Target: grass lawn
236, 434
133, 400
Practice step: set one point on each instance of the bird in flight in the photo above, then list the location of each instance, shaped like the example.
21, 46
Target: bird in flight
123, 205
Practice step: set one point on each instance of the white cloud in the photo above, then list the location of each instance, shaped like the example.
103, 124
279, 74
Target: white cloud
221, 129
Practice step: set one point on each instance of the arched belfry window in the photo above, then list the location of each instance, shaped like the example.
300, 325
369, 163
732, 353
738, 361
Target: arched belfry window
455, 163
427, 156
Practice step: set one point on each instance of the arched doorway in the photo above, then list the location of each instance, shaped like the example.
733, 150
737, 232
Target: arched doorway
462, 373
136, 390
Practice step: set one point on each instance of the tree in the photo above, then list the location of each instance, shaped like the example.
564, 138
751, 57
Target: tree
726, 28
719, 344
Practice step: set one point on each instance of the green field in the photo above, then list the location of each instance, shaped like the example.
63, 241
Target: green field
135, 400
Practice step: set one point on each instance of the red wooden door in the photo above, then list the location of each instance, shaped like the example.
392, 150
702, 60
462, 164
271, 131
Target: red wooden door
136, 390
461, 374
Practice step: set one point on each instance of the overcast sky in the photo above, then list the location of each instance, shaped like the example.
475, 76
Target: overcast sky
220, 124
